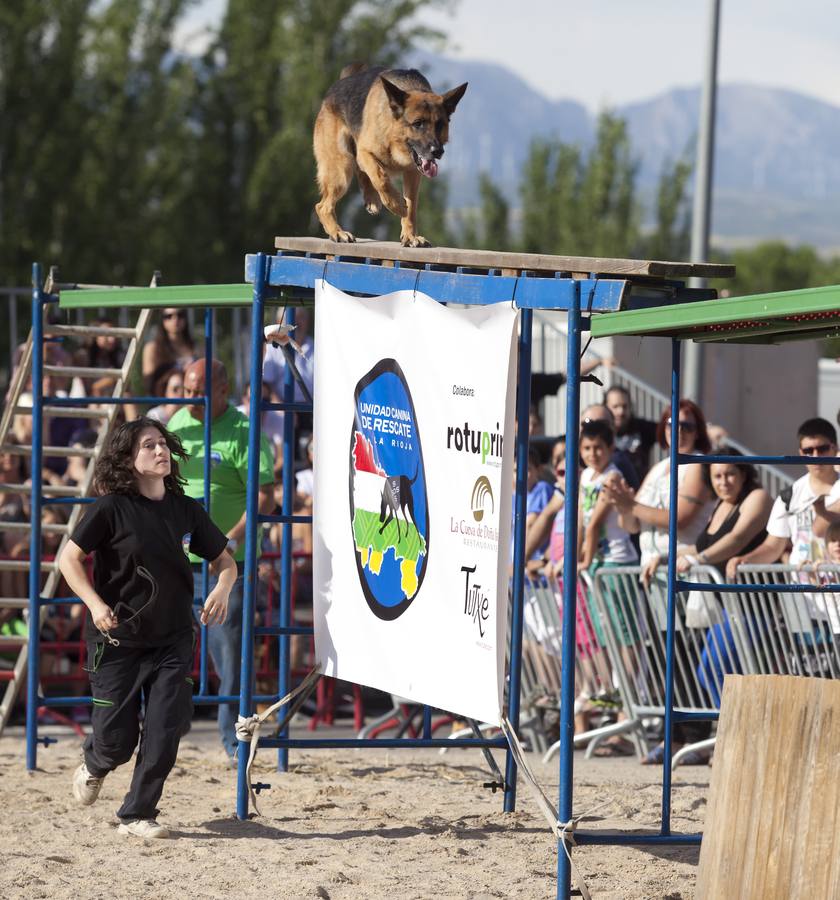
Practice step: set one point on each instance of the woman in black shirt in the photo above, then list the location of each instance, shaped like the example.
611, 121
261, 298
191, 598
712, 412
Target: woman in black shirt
737, 524
139, 634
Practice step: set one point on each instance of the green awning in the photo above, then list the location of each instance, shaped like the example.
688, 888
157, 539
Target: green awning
763, 318
172, 295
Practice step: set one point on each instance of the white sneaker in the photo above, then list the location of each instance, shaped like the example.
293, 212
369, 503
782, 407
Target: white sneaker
144, 828
86, 788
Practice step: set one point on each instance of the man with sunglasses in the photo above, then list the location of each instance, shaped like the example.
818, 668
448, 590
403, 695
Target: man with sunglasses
794, 524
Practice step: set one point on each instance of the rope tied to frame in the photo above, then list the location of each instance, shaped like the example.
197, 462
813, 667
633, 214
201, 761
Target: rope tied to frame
248, 727
563, 831
279, 335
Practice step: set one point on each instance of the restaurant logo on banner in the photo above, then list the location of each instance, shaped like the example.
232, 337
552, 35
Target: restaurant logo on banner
482, 494
388, 499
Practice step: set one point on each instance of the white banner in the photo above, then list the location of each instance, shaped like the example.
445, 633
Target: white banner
414, 411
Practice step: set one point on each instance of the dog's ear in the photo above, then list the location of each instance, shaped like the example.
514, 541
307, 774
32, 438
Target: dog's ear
451, 98
396, 97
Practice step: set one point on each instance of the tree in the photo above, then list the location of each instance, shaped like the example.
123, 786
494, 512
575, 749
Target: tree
607, 211
774, 266
539, 223
41, 65
119, 155
495, 215
671, 238
581, 205
266, 75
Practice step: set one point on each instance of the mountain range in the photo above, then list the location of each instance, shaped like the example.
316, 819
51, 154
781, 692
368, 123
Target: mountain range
777, 168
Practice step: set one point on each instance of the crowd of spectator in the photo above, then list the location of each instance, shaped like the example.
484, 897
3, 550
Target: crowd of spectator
164, 362
725, 518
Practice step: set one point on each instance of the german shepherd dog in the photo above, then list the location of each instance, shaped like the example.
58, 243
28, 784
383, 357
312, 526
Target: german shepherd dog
378, 123
397, 496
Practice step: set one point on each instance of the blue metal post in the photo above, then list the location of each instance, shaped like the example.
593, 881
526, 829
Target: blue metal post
251, 534
208, 443
523, 409
672, 577
427, 723
570, 522
32, 672
285, 610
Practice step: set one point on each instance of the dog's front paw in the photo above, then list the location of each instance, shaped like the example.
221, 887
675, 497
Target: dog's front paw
414, 240
343, 237
374, 207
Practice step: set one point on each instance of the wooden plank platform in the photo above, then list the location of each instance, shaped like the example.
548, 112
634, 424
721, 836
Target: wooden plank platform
577, 266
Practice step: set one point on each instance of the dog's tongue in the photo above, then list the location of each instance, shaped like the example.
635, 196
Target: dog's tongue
429, 168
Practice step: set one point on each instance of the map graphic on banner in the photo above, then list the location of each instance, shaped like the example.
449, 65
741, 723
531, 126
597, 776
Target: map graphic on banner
412, 501
389, 506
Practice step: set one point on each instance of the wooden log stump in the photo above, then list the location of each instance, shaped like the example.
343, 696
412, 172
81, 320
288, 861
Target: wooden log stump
774, 807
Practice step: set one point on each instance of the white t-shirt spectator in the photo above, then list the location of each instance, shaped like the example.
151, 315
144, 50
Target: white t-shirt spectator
656, 493
614, 544
795, 520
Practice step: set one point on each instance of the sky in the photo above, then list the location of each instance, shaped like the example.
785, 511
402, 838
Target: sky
613, 52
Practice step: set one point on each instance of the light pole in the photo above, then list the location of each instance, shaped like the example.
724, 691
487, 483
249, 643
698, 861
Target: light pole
702, 202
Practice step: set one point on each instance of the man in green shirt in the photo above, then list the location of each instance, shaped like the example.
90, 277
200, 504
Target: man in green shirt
228, 482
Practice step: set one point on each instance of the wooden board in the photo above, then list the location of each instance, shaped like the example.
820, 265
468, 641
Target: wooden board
774, 807
517, 262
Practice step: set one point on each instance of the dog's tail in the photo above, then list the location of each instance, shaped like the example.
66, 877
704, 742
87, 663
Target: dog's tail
416, 473
352, 68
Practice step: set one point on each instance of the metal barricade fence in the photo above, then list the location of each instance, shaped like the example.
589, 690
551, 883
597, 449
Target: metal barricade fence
620, 648
598, 686
779, 633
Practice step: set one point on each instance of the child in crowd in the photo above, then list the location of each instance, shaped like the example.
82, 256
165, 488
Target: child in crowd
829, 573
602, 537
603, 541
539, 495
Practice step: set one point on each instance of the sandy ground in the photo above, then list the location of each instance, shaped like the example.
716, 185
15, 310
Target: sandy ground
340, 825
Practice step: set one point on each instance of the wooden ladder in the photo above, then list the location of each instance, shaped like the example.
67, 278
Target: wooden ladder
106, 417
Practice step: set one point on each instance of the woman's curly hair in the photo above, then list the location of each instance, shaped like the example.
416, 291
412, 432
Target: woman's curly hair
115, 473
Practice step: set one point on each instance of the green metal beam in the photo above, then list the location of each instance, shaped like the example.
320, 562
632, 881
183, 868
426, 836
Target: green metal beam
165, 295
697, 320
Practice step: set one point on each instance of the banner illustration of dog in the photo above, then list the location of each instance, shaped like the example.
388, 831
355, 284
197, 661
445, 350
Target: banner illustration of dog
412, 504
389, 509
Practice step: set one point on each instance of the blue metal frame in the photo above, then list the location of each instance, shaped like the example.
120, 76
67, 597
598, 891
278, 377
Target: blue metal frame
461, 286
33, 660
665, 829
208, 443
34, 702
674, 585
523, 408
570, 555
301, 272
297, 275
251, 535
287, 514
